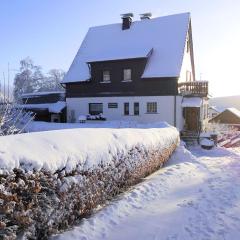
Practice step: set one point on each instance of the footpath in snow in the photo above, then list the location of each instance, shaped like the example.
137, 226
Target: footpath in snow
194, 197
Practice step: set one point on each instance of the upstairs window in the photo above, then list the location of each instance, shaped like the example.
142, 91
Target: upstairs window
151, 107
95, 108
106, 76
127, 74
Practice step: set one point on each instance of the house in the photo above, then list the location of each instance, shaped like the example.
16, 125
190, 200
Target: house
213, 111
230, 116
138, 71
47, 106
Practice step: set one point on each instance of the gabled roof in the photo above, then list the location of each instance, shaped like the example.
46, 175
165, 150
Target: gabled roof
166, 36
228, 116
235, 111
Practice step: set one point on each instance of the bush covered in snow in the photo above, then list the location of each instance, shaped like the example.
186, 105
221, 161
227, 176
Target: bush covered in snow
13, 120
40, 195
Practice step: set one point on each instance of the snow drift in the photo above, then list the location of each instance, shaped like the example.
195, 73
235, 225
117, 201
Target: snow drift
50, 179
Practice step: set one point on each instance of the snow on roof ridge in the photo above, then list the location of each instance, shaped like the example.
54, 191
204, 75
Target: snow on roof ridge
166, 35
139, 20
235, 111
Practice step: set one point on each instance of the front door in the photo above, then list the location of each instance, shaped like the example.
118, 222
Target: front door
192, 118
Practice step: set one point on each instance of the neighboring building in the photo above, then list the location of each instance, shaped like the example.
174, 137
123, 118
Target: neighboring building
225, 102
213, 111
141, 71
230, 116
48, 106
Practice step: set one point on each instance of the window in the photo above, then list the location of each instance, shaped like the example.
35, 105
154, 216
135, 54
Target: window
127, 74
126, 108
151, 107
136, 108
95, 108
112, 105
106, 76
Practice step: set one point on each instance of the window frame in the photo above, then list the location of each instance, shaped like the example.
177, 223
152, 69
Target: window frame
127, 80
94, 113
136, 108
126, 109
152, 107
106, 81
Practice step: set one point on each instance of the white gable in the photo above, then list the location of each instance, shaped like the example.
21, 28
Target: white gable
165, 35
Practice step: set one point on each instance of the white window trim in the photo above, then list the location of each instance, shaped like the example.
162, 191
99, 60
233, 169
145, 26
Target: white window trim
106, 81
147, 112
127, 80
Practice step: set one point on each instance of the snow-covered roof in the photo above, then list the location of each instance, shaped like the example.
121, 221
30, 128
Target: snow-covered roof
234, 111
217, 108
51, 107
41, 93
192, 102
165, 35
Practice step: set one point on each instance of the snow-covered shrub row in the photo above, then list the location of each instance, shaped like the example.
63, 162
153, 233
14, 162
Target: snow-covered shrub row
40, 199
13, 120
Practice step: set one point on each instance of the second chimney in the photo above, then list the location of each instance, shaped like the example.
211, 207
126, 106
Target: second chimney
127, 20
145, 16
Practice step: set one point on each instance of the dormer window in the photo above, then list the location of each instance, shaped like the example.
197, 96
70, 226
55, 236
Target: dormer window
106, 76
127, 75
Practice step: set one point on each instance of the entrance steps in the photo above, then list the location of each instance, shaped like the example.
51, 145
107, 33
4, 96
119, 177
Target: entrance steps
190, 138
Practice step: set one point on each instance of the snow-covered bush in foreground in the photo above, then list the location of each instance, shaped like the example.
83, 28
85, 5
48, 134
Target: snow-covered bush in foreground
51, 179
13, 120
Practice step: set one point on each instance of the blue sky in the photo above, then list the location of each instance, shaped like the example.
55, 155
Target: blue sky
51, 31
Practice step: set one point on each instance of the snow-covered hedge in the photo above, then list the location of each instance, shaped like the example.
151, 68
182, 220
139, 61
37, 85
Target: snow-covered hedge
50, 179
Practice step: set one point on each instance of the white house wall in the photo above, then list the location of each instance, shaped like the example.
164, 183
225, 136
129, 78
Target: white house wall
165, 108
186, 65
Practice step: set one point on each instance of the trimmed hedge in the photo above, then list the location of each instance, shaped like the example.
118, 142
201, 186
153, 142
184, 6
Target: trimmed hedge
38, 204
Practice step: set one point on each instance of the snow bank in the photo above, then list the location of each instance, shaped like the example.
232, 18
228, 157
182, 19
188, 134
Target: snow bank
51, 179
69, 148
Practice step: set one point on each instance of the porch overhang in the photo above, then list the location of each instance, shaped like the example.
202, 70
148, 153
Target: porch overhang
192, 102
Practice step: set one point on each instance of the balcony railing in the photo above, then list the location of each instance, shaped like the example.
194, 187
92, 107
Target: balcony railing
194, 88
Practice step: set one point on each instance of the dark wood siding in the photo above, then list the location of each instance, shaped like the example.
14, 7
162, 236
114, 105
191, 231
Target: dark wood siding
46, 98
138, 86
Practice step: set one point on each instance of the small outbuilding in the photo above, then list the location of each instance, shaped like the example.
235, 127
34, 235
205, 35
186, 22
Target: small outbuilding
230, 116
47, 106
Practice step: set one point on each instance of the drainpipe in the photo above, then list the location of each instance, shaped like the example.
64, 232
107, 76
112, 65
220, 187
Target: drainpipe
175, 110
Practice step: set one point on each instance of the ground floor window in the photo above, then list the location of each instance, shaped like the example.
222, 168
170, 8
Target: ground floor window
151, 107
136, 108
95, 108
126, 108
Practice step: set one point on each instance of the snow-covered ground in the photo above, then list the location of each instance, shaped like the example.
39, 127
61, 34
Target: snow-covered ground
194, 197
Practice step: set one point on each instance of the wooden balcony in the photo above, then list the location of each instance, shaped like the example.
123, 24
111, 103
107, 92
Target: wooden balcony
194, 88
